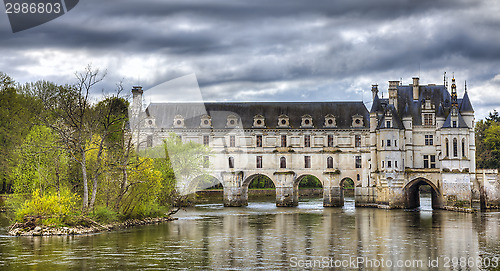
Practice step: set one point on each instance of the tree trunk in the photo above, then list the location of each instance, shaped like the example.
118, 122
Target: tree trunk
85, 184
94, 193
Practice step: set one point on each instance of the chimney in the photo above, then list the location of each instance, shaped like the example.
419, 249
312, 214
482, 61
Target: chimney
374, 91
136, 100
415, 88
393, 93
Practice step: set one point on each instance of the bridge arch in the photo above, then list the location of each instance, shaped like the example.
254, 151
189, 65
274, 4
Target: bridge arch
248, 179
412, 193
303, 175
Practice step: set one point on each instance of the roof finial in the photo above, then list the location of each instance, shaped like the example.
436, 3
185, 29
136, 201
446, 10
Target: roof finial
465, 85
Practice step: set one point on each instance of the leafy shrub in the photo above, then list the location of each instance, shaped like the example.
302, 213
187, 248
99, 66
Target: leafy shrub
104, 214
51, 207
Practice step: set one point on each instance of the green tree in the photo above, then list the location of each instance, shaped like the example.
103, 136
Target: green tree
487, 141
17, 112
41, 164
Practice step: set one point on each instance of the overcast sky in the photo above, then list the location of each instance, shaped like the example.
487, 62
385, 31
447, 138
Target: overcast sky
278, 50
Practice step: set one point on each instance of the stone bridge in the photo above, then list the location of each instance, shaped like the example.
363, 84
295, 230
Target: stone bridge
286, 182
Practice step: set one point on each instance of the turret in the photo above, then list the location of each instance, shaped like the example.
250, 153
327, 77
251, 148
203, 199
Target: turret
466, 109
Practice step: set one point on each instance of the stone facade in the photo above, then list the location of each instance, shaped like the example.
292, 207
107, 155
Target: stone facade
420, 135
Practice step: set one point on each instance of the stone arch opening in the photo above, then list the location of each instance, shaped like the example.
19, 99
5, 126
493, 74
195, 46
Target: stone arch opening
347, 186
258, 186
308, 185
415, 188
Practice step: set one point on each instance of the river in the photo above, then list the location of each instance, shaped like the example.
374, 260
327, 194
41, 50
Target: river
263, 236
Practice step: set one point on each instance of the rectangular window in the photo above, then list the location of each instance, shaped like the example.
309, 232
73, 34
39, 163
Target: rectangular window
206, 161
388, 124
388, 142
307, 141
259, 162
382, 143
258, 141
206, 140
307, 161
463, 147
396, 164
395, 143
330, 140
283, 141
389, 164
429, 140
454, 124
428, 120
357, 141
426, 161
232, 141
433, 161
358, 161
382, 164
455, 148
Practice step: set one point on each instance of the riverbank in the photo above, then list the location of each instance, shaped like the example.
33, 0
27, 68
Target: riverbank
21, 229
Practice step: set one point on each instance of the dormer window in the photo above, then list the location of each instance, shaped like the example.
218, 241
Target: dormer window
357, 121
259, 121
428, 119
206, 121
330, 121
232, 121
283, 121
388, 124
178, 121
307, 121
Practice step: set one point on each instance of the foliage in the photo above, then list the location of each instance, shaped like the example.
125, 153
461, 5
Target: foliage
17, 113
488, 141
49, 206
104, 214
41, 165
310, 182
143, 190
261, 182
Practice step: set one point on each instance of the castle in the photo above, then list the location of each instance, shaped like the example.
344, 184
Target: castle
419, 135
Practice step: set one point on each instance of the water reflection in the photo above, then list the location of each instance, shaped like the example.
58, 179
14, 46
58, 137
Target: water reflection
262, 236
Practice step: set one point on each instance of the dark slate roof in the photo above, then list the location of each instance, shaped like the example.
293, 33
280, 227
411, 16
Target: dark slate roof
438, 94
461, 123
465, 105
164, 113
376, 105
396, 120
440, 112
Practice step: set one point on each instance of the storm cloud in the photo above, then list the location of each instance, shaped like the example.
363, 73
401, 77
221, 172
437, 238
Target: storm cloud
267, 50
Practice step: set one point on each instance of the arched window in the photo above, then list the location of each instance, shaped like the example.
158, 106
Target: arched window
358, 178
447, 148
455, 147
463, 147
329, 162
282, 162
231, 162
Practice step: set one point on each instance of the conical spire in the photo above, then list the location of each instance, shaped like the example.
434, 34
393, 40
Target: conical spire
466, 105
377, 105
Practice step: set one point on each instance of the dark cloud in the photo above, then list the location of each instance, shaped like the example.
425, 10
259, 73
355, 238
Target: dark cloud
264, 50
